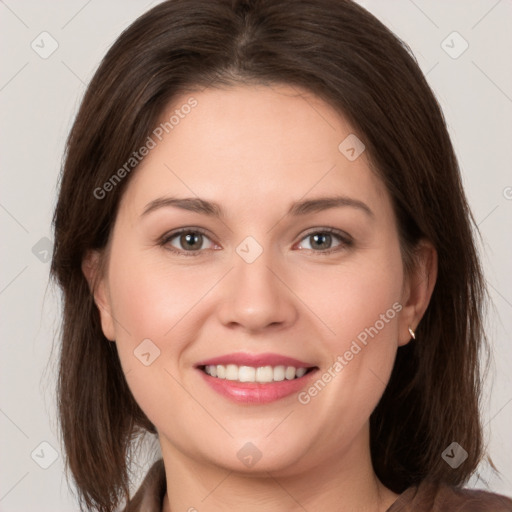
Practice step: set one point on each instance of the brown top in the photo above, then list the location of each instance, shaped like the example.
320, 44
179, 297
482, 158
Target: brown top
427, 497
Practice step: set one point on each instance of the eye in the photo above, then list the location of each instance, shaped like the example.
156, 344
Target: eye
193, 241
321, 241
187, 242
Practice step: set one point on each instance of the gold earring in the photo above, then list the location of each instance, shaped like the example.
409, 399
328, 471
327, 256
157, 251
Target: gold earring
411, 332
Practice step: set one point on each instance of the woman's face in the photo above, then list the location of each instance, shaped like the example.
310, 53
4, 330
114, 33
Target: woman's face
256, 176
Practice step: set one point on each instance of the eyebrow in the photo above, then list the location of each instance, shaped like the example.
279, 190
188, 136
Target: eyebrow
299, 208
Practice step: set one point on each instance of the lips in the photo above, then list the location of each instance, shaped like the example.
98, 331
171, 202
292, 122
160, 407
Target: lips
255, 378
255, 360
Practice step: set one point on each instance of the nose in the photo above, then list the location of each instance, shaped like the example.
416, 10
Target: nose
257, 297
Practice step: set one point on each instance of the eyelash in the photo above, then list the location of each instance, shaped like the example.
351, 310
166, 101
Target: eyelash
345, 241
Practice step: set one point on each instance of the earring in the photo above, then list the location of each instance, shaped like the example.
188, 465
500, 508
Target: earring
411, 332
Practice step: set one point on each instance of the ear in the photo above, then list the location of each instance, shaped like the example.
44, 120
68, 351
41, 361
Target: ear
418, 289
92, 270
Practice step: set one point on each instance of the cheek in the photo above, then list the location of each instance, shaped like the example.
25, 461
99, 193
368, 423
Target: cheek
149, 298
361, 355
148, 303
361, 305
360, 300
154, 300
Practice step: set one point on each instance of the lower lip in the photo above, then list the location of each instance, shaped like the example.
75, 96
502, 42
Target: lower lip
256, 392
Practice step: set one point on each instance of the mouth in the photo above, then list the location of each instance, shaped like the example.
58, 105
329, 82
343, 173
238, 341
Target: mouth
256, 379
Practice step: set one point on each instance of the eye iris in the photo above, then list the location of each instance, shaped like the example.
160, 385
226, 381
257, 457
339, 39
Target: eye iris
321, 240
191, 240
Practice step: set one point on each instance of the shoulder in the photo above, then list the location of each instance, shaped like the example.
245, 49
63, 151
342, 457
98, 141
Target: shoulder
149, 497
438, 497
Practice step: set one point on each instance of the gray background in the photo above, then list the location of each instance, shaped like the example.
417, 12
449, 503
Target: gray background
39, 98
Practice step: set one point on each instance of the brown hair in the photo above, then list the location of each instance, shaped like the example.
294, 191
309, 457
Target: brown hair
338, 51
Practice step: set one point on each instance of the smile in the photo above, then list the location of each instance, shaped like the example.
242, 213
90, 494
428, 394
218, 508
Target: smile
256, 385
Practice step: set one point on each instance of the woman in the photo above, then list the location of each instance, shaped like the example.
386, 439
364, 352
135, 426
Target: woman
252, 240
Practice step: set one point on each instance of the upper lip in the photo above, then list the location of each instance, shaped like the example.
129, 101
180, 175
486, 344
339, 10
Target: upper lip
255, 360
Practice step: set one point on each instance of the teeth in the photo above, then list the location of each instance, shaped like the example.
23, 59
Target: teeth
265, 374
251, 374
300, 372
279, 373
291, 372
231, 372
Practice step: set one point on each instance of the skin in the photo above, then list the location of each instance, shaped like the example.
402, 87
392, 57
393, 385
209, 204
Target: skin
255, 150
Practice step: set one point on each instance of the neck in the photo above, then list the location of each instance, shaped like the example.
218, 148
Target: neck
346, 482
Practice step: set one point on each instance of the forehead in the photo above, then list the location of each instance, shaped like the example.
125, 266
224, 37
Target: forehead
245, 144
